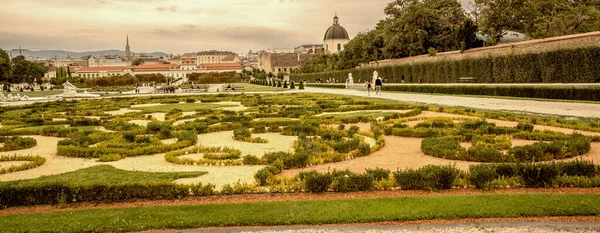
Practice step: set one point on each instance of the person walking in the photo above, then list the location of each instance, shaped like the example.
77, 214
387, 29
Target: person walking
378, 84
368, 88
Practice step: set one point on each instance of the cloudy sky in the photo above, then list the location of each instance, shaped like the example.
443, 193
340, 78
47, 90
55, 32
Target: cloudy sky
178, 26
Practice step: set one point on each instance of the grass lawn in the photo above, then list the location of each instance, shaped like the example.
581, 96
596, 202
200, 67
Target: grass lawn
258, 88
106, 174
35, 93
305, 212
186, 107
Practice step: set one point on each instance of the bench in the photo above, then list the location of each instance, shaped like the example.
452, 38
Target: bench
237, 88
465, 79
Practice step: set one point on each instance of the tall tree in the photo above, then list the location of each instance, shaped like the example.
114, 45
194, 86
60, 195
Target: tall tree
4, 66
137, 62
499, 16
19, 69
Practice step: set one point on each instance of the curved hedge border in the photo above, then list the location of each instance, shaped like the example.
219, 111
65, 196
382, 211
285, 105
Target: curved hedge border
449, 148
223, 156
17, 143
35, 161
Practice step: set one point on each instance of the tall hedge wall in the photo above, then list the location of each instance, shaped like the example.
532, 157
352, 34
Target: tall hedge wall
578, 65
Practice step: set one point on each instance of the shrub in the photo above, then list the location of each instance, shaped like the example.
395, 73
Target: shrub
289, 160
446, 147
252, 160
262, 175
429, 177
17, 143
482, 175
486, 153
577, 168
130, 137
378, 173
317, 183
524, 127
538, 175
352, 183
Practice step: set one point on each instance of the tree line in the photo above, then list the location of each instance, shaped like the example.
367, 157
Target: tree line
19, 70
416, 27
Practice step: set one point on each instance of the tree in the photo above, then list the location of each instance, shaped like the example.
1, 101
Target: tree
19, 69
4, 66
301, 86
137, 62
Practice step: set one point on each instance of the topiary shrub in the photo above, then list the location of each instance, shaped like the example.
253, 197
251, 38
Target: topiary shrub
429, 177
524, 127
301, 86
352, 183
317, 183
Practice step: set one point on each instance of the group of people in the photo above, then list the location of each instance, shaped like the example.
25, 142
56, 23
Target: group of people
378, 83
230, 88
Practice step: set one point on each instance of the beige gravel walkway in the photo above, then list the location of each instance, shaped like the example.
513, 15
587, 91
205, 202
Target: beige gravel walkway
530, 106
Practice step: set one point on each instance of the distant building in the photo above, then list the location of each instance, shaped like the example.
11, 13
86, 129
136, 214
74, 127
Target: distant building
187, 66
281, 62
68, 61
335, 37
108, 60
309, 49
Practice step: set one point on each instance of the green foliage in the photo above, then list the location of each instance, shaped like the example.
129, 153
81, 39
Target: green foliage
352, 183
316, 182
557, 66
16, 143
33, 161
427, 178
211, 156
214, 77
244, 135
109, 158
378, 174
539, 175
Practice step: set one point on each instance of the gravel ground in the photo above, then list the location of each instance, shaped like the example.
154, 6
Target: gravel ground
474, 227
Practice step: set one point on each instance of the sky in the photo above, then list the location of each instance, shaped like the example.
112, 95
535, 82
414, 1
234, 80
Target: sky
179, 26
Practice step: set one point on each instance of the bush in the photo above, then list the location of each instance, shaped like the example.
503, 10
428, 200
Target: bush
482, 175
539, 175
577, 168
352, 183
262, 175
378, 174
289, 160
429, 177
317, 183
524, 127
446, 147
252, 160
17, 143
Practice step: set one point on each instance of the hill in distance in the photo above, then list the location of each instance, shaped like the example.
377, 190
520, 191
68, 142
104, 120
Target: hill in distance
63, 54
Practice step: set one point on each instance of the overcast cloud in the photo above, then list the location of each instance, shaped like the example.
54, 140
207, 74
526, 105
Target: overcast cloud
179, 26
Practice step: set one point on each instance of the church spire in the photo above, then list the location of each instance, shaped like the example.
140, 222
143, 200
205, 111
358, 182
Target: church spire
127, 48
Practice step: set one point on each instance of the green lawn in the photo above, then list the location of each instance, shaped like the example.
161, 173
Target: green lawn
106, 174
258, 88
305, 212
186, 107
35, 93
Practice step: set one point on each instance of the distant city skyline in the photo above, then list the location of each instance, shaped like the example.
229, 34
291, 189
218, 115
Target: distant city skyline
179, 26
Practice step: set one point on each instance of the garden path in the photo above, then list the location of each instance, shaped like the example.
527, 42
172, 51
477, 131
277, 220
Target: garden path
530, 106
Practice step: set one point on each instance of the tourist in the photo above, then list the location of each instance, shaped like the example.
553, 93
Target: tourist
368, 88
378, 84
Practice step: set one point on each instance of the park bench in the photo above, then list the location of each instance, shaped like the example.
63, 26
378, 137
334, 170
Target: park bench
237, 88
466, 79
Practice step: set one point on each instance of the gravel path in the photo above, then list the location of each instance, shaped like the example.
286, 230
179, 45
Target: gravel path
471, 227
530, 106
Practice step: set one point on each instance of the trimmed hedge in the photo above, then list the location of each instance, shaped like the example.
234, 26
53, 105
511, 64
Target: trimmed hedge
34, 161
578, 65
60, 193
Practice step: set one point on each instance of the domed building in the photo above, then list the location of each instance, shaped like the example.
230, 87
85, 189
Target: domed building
335, 37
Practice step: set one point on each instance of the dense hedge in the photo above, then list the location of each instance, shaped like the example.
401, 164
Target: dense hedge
577, 65
61, 193
16, 143
210, 156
